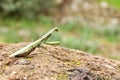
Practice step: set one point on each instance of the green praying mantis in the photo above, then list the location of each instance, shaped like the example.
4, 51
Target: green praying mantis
31, 47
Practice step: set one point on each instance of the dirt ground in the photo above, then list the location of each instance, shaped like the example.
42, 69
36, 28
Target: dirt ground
55, 63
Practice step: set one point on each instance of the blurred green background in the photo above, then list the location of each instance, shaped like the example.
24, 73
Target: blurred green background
89, 25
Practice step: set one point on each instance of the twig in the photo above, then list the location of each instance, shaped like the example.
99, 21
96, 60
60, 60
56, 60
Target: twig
30, 47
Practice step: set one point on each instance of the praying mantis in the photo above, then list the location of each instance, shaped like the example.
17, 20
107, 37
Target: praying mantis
32, 46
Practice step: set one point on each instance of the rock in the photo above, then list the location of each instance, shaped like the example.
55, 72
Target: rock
83, 74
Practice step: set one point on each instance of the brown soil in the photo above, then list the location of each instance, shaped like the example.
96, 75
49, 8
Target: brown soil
55, 63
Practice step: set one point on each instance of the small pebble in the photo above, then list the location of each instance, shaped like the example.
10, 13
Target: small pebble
22, 62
